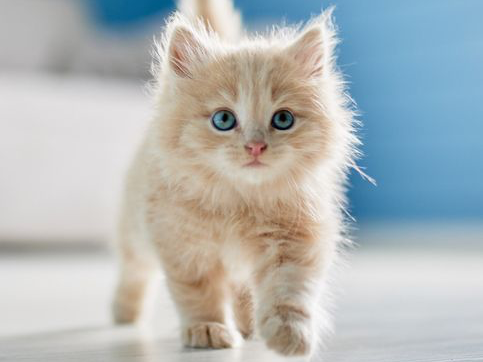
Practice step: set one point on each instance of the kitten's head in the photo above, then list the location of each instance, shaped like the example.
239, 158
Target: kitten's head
256, 112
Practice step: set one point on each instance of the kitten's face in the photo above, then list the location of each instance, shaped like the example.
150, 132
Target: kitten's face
250, 116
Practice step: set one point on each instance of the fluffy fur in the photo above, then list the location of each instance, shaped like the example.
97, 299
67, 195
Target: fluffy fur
257, 240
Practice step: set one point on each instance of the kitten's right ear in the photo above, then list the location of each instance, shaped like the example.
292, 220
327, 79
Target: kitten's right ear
184, 51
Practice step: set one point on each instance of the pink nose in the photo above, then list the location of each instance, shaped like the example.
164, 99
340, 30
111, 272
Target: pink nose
255, 148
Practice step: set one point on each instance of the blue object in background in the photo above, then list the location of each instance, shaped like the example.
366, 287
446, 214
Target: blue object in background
416, 71
121, 13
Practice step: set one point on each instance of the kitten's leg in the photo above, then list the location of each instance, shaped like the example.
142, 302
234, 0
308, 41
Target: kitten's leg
243, 310
135, 276
201, 304
288, 285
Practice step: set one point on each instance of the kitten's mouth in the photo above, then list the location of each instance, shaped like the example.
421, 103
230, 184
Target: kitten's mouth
254, 163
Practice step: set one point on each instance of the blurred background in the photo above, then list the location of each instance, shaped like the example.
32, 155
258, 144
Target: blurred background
73, 107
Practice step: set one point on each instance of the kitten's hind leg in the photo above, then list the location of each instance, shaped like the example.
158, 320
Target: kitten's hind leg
135, 277
243, 310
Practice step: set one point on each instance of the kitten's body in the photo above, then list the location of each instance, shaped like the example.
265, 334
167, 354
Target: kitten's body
257, 238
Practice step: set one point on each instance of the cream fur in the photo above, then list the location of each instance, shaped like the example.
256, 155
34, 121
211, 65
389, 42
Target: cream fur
258, 240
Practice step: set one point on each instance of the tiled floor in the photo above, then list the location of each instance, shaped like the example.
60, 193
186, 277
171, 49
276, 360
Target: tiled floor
394, 306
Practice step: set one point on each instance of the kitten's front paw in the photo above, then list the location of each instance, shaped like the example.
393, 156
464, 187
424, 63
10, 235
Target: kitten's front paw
208, 335
288, 331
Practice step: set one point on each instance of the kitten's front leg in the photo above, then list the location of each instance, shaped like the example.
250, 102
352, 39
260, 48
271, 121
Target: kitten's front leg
288, 286
200, 300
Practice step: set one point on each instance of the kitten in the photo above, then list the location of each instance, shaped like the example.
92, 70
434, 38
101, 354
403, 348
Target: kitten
238, 189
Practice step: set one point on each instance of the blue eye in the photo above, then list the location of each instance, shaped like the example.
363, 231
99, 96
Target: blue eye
283, 120
223, 120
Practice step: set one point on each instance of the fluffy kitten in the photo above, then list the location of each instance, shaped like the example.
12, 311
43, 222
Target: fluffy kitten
238, 189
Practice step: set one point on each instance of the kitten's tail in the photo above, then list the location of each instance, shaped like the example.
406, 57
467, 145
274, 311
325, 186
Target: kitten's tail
219, 15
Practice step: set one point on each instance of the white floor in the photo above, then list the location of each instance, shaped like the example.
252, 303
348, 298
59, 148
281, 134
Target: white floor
399, 306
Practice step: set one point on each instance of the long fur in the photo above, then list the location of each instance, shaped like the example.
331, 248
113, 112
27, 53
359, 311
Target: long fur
259, 241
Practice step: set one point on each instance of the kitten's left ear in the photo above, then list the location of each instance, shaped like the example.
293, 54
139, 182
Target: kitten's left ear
313, 48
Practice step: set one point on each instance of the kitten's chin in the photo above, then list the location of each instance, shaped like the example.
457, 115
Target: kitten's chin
254, 173
254, 177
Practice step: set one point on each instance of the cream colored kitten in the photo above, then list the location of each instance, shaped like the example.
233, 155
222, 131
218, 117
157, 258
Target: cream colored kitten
238, 188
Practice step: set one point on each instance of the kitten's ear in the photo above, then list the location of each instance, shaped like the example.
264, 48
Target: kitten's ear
313, 48
308, 51
184, 51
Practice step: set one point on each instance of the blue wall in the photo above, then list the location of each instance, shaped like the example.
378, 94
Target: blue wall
416, 69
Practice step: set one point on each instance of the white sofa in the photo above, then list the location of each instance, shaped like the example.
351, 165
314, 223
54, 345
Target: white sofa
65, 143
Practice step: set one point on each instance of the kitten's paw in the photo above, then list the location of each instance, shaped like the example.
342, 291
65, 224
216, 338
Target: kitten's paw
246, 328
124, 313
288, 331
208, 335
247, 334
290, 340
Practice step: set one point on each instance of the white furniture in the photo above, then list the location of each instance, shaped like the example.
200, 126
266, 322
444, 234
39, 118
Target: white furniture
65, 143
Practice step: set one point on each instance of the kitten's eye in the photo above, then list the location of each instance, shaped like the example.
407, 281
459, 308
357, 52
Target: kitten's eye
283, 120
223, 120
